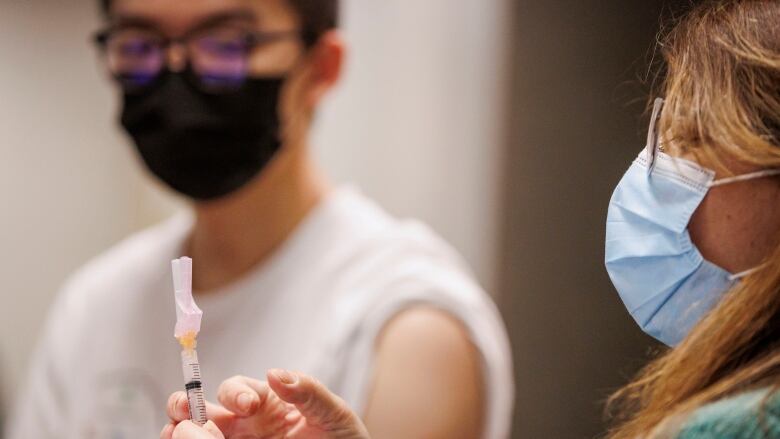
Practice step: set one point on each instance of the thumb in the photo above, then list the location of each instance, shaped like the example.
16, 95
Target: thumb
188, 430
314, 401
212, 428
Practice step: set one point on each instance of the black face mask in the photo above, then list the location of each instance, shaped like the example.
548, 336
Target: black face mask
205, 146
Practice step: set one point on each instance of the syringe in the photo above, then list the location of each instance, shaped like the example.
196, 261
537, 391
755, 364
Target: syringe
193, 385
188, 318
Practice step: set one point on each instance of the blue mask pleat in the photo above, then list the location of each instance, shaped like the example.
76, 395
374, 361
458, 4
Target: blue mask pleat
663, 280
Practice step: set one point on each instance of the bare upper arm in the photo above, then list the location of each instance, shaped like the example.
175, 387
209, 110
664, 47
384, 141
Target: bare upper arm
428, 379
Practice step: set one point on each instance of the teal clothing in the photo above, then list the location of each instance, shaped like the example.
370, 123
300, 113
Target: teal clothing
744, 416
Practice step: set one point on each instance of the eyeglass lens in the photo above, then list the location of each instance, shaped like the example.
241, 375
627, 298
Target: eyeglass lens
135, 57
218, 57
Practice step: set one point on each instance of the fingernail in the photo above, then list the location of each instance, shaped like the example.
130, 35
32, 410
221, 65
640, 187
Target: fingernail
182, 406
245, 402
285, 377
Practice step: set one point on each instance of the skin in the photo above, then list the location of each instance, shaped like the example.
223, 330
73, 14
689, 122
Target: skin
428, 381
427, 352
736, 225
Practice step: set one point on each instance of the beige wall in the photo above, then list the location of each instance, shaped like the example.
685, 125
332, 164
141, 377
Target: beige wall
67, 184
420, 121
417, 124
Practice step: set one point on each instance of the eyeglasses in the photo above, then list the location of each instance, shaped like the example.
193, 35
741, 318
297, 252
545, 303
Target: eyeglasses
217, 59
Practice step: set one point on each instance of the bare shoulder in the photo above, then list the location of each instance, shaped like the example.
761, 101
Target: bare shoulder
428, 380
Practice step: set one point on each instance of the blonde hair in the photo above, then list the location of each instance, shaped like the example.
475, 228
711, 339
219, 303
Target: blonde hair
722, 85
722, 92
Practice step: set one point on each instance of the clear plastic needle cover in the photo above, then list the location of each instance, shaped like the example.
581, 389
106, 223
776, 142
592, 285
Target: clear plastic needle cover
188, 315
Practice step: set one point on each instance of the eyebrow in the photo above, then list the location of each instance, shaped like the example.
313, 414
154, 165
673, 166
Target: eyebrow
235, 15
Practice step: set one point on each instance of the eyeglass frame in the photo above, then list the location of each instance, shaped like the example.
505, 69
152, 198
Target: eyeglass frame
254, 39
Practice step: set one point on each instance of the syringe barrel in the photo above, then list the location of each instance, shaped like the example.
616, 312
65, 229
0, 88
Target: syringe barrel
194, 385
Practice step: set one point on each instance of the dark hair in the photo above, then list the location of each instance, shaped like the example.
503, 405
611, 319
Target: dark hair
317, 16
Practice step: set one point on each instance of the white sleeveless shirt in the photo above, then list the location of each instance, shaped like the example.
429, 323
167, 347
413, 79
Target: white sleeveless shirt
108, 359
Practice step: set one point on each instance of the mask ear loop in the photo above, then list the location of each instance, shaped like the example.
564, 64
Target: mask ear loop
748, 272
744, 177
652, 135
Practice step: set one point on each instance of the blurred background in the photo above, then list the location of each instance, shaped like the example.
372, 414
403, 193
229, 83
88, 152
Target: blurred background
505, 124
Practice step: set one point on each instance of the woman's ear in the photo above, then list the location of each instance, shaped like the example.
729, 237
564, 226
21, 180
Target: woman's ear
326, 63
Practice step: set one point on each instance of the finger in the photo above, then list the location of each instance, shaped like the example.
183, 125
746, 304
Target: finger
177, 407
188, 430
293, 417
178, 410
167, 431
262, 416
316, 403
242, 395
223, 418
211, 427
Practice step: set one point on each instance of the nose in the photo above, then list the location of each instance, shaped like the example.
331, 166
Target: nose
176, 57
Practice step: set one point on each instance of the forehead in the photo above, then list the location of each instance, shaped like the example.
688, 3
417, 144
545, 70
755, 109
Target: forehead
170, 17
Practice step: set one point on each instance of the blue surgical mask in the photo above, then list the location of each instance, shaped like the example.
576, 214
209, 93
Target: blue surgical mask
661, 276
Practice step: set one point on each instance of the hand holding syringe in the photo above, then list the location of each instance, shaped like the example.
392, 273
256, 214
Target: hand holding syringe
288, 404
294, 404
188, 318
